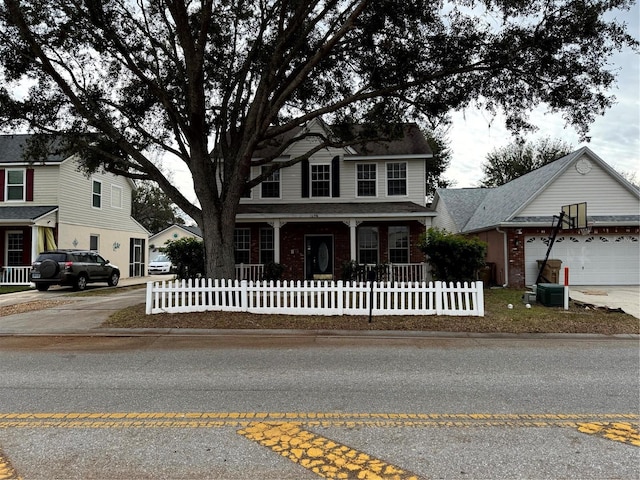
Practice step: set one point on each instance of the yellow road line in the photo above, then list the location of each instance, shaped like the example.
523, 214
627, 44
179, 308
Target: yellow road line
6, 470
618, 431
322, 456
328, 416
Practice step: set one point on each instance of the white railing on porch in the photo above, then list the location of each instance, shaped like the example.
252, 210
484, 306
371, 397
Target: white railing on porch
398, 272
316, 298
249, 271
15, 275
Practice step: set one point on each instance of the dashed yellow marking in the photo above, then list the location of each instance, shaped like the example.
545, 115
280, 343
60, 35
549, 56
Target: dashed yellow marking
616, 431
6, 470
322, 456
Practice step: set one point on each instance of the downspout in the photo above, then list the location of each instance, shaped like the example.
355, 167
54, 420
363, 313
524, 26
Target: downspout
506, 257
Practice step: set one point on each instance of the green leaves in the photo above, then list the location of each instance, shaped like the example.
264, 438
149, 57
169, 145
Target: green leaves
453, 257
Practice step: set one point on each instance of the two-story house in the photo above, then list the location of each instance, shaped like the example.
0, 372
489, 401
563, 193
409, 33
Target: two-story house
51, 204
364, 203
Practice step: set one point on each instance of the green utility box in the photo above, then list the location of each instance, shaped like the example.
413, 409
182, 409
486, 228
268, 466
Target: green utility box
550, 294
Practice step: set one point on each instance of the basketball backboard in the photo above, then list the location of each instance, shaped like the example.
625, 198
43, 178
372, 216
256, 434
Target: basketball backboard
575, 216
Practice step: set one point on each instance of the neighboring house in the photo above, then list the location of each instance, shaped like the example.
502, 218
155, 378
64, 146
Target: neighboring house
516, 220
51, 204
157, 241
364, 203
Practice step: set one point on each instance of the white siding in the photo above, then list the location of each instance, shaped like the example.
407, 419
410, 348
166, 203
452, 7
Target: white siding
291, 181
603, 194
75, 201
46, 180
443, 219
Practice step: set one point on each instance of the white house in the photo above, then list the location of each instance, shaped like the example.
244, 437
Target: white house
51, 204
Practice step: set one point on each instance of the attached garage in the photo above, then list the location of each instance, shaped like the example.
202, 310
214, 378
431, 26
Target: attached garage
597, 259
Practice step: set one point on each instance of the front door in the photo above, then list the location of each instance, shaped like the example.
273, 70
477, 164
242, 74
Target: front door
318, 259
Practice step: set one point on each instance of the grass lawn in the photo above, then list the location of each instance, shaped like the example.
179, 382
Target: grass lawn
13, 288
498, 319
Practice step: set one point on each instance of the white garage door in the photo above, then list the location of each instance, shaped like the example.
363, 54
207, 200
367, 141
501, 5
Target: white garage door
592, 259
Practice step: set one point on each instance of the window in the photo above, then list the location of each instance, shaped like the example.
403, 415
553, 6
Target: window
271, 185
96, 197
14, 248
396, 179
242, 245
368, 245
399, 244
16, 185
116, 196
94, 242
266, 245
320, 180
366, 179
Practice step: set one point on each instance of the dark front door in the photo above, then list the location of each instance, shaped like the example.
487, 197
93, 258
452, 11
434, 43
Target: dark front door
318, 257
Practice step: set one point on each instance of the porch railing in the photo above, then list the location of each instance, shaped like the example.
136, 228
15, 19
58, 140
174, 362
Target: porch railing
15, 275
251, 272
396, 272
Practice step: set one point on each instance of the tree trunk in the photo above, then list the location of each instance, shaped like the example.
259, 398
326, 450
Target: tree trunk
218, 237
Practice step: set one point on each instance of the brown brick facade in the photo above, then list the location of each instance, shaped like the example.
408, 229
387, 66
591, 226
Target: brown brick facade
292, 243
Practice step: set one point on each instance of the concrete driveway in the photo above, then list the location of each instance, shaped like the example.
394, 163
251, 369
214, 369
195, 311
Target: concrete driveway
624, 297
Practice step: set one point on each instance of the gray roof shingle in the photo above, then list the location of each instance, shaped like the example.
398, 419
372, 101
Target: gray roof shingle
24, 213
12, 149
478, 209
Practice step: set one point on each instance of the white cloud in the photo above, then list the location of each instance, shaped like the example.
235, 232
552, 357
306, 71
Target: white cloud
615, 136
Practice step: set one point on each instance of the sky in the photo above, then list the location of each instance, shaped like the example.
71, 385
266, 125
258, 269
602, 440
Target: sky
615, 137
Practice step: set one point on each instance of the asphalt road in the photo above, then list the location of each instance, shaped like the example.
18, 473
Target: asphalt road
312, 407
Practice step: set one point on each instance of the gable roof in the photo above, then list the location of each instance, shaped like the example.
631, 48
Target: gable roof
500, 205
12, 150
24, 213
190, 230
411, 142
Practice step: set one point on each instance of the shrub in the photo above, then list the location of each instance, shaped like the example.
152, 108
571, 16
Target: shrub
272, 271
187, 254
453, 257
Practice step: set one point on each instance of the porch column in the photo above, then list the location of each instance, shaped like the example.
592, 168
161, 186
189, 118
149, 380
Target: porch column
276, 241
352, 239
34, 243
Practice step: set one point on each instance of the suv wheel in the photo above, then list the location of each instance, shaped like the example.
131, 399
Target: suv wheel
114, 278
81, 282
49, 268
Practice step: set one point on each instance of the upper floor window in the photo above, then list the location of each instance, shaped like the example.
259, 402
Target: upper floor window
96, 194
116, 196
16, 185
271, 185
399, 244
366, 179
320, 180
396, 179
242, 245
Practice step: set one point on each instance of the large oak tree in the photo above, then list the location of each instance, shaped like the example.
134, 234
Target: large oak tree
208, 82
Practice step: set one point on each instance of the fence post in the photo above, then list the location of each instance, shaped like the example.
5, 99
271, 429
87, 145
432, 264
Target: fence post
149, 300
244, 296
438, 287
480, 298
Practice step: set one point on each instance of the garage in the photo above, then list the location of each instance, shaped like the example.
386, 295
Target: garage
592, 259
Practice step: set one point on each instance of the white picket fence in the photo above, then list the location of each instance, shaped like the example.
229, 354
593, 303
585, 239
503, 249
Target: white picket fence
315, 298
15, 275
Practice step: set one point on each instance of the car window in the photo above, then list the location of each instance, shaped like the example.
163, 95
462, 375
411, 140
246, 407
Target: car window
99, 259
56, 257
161, 258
